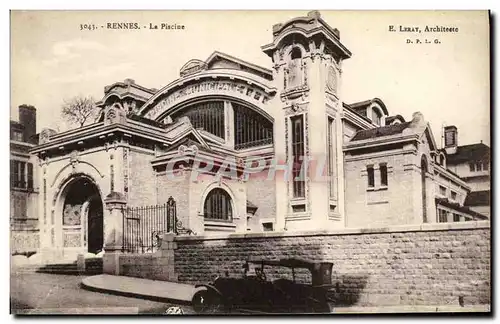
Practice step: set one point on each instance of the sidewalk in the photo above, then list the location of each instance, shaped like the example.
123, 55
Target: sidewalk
156, 290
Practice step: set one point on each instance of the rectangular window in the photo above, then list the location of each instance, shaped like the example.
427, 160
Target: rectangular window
383, 174
442, 191
472, 167
442, 216
453, 195
267, 227
22, 175
297, 123
479, 166
331, 154
371, 176
16, 174
12, 173
30, 176
456, 217
450, 138
18, 136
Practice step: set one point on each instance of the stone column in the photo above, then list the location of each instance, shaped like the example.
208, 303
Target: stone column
113, 232
229, 120
164, 262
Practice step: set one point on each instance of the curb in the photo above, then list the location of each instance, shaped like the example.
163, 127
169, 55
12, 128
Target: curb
115, 292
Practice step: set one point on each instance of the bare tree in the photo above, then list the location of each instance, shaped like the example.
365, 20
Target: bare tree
80, 110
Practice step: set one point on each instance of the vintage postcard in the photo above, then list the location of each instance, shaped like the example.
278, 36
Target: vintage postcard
229, 162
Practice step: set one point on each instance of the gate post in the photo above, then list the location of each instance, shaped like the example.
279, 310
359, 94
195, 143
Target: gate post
113, 232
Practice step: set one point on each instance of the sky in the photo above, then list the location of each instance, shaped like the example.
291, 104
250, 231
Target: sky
52, 59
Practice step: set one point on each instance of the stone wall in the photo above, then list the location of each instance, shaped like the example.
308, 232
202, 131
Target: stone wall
384, 205
429, 264
141, 179
157, 266
178, 188
262, 193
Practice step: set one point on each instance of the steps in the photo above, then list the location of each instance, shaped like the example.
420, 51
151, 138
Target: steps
92, 267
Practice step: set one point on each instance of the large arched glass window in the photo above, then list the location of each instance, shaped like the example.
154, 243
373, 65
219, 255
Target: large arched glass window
208, 116
251, 129
218, 206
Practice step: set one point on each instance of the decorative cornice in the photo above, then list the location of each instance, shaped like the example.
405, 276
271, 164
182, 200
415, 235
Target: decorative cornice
386, 140
226, 74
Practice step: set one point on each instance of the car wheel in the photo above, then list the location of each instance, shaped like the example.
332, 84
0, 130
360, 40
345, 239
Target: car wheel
207, 302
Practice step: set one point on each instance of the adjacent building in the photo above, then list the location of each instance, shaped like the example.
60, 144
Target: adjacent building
244, 148
473, 164
23, 182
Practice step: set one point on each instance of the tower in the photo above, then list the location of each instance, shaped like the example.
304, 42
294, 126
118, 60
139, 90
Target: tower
307, 60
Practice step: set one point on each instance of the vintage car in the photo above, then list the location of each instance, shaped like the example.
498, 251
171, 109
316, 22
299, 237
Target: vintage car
253, 293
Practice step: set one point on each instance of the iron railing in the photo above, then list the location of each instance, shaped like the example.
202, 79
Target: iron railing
144, 226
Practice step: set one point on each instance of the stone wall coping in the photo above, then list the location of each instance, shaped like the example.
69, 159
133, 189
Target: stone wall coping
346, 231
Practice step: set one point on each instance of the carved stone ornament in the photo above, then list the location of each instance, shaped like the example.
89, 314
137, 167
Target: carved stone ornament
74, 159
45, 135
331, 81
182, 149
111, 114
194, 149
294, 109
192, 66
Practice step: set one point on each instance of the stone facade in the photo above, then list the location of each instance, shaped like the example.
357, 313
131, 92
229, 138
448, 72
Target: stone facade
142, 182
24, 187
378, 206
223, 113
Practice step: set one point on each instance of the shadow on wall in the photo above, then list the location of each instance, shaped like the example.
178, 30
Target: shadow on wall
348, 289
227, 259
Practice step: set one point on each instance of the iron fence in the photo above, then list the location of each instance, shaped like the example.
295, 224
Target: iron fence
144, 226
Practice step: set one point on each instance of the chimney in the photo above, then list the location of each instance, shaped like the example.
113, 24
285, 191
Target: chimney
27, 118
450, 139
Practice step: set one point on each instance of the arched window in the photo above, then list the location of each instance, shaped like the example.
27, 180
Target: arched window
218, 206
208, 116
251, 129
441, 159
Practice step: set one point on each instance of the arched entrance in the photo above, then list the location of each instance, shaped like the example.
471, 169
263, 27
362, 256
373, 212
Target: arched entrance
423, 172
82, 216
